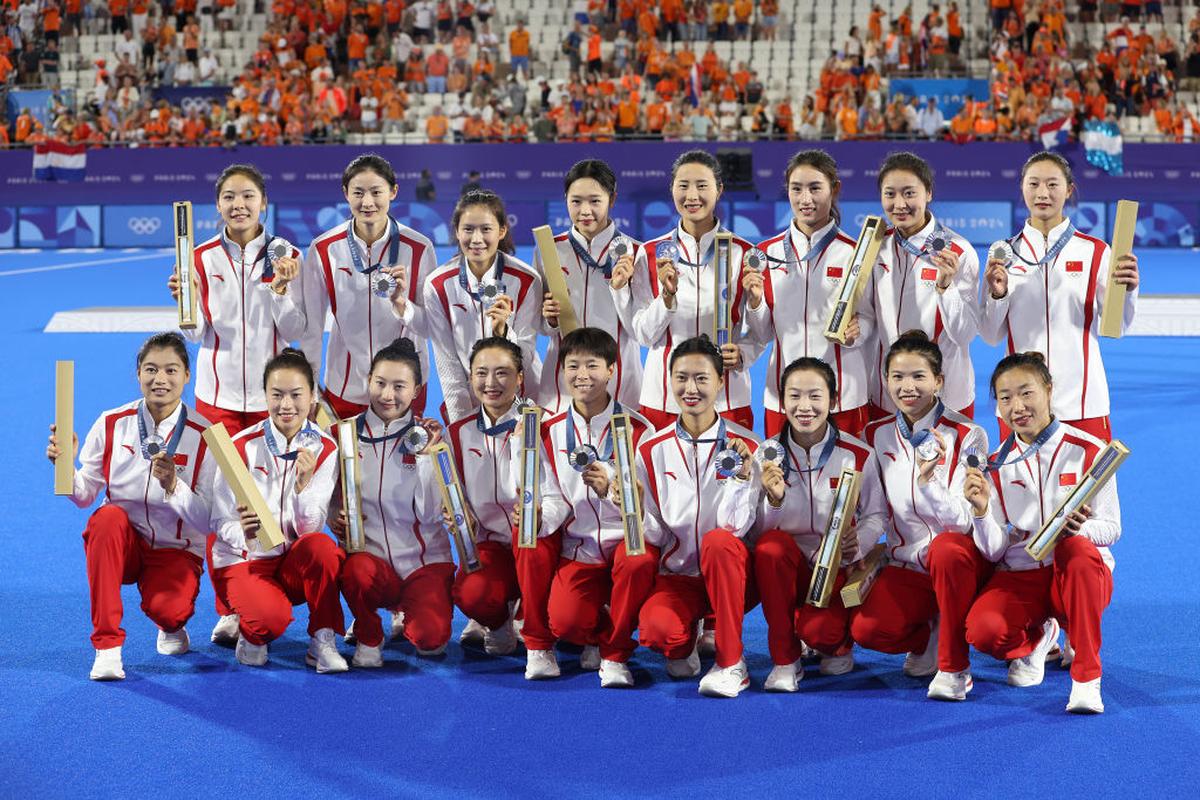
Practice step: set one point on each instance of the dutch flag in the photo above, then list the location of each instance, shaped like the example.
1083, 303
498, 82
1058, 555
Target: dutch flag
694, 86
1054, 134
56, 161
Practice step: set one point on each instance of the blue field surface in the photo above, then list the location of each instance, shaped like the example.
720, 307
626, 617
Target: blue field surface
465, 725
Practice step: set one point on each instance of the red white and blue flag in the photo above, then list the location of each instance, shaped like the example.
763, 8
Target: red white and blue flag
1054, 134
694, 86
57, 161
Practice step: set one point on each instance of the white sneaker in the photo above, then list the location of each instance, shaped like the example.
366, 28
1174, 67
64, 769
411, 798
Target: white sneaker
706, 647
437, 651
785, 677
1085, 698
108, 666
500, 642
225, 632
472, 635
950, 685
350, 638
1029, 670
688, 667
397, 624
322, 653
725, 682
541, 664
367, 656
920, 665
173, 644
614, 675
589, 659
251, 655
837, 665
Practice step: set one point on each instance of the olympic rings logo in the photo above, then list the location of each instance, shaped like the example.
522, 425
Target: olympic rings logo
197, 104
144, 226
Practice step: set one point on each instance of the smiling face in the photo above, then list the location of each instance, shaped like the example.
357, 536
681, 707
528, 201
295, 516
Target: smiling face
912, 384
695, 191
479, 235
806, 401
588, 205
587, 376
370, 195
391, 387
240, 204
1045, 188
1023, 401
695, 384
162, 376
495, 380
289, 399
905, 200
811, 197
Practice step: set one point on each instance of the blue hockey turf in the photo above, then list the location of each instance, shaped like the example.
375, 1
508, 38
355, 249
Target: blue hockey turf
469, 726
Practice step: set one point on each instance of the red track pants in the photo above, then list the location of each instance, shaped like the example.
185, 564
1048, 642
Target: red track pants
668, 618
895, 618
580, 592
116, 554
370, 583
263, 591
506, 573
783, 574
1006, 620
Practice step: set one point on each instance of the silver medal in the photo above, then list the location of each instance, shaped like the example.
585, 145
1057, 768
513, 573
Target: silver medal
383, 284
310, 440
489, 291
1001, 251
928, 449
416, 440
937, 244
771, 452
666, 251
755, 259
620, 247
154, 445
278, 249
729, 463
583, 457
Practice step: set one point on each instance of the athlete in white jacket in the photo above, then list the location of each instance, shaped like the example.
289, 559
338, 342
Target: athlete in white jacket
797, 501
1017, 614
927, 278
368, 274
248, 311
1049, 295
294, 466
698, 505
664, 301
147, 458
587, 254
486, 451
481, 292
407, 564
935, 570
790, 302
598, 588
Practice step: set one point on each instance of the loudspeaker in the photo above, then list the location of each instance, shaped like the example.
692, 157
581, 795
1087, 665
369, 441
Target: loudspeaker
737, 167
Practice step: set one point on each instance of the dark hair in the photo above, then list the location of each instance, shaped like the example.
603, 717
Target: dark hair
1053, 158
589, 341
403, 351
369, 162
698, 346
1031, 360
492, 202
290, 358
165, 341
904, 161
822, 162
702, 157
246, 171
500, 343
810, 364
597, 170
917, 342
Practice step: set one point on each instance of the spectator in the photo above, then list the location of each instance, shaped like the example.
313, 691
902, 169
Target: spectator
571, 47
472, 183
930, 121
518, 48
437, 68
425, 191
